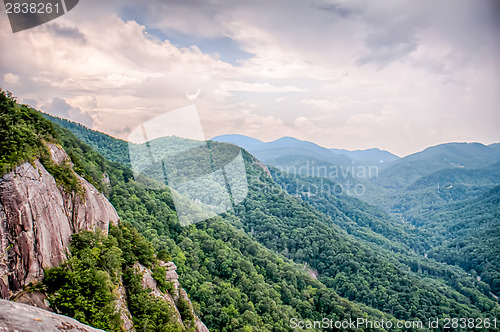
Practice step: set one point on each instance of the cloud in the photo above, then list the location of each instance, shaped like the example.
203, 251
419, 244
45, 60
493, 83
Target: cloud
68, 32
328, 67
259, 87
304, 124
85, 102
60, 108
10, 78
328, 105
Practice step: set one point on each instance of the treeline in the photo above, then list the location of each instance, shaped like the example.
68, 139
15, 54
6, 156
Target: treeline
235, 283
296, 231
240, 284
84, 286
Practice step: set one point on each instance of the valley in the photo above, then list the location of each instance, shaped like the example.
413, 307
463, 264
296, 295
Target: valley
399, 251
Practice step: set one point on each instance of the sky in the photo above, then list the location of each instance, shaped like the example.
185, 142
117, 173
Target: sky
400, 75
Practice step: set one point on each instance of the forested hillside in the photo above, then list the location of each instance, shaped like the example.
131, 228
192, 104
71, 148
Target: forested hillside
467, 234
403, 172
234, 282
350, 265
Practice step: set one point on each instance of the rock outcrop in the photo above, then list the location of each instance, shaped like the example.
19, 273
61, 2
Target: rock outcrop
177, 293
262, 166
121, 307
37, 218
18, 317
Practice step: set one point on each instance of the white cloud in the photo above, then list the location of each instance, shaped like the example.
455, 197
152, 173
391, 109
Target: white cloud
304, 124
258, 87
324, 72
327, 105
10, 78
60, 108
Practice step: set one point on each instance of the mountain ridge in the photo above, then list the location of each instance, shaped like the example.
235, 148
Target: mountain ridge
267, 236
254, 145
408, 169
271, 221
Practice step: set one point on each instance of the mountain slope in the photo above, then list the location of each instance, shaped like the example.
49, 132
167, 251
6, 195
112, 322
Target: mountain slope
248, 143
409, 169
54, 240
468, 234
295, 230
372, 155
235, 283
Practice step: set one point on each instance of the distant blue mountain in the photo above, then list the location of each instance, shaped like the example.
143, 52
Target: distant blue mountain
289, 146
247, 143
374, 155
285, 147
407, 170
495, 147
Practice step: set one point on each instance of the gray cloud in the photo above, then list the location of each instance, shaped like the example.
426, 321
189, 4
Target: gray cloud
419, 71
60, 108
339, 9
60, 30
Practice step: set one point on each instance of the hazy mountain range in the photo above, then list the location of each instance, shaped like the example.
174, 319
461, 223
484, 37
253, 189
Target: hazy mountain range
420, 240
290, 145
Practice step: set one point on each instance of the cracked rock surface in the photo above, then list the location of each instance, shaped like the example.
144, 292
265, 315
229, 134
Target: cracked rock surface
18, 317
37, 218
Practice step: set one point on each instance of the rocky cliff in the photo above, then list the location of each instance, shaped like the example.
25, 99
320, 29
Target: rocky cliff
37, 218
174, 296
38, 215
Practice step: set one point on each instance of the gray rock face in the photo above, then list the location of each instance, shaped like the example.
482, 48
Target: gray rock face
37, 218
179, 292
18, 317
149, 282
121, 307
262, 166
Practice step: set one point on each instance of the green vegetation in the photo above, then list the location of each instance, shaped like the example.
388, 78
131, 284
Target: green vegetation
114, 149
24, 134
250, 270
83, 287
467, 234
458, 211
149, 313
362, 273
235, 283
397, 242
295, 230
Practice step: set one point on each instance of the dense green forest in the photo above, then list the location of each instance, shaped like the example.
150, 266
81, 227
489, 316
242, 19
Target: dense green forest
82, 287
459, 212
235, 283
468, 233
295, 230
275, 256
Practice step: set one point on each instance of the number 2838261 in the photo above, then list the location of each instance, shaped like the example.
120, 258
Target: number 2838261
32, 8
